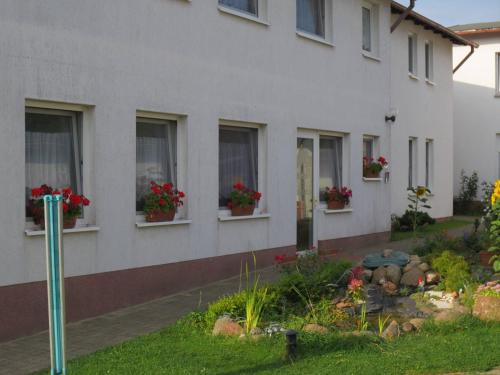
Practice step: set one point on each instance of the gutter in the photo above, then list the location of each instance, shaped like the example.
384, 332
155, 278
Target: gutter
464, 59
403, 16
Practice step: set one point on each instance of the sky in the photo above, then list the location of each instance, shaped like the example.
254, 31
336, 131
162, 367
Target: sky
453, 12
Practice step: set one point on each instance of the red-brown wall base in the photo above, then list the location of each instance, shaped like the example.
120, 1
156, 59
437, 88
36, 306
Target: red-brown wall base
23, 307
351, 243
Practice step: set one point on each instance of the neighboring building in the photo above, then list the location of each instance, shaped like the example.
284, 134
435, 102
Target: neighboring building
477, 104
284, 96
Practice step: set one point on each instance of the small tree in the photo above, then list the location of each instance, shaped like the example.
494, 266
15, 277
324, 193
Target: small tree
468, 191
418, 200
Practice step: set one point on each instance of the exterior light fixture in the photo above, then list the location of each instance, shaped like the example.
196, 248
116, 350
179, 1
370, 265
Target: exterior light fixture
391, 115
291, 342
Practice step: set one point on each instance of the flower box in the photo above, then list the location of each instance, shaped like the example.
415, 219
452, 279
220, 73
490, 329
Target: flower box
156, 216
161, 203
242, 210
242, 200
372, 168
336, 205
337, 198
367, 173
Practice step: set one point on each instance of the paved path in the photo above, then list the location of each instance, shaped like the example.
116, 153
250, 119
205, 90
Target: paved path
29, 354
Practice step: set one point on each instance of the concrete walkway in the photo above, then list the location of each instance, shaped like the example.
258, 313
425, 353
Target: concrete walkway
30, 354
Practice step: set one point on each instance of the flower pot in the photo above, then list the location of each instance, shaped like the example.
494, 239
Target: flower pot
368, 173
487, 308
336, 205
484, 258
159, 215
242, 210
68, 222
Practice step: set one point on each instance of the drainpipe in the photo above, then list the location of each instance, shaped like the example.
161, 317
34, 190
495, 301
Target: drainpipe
403, 15
464, 59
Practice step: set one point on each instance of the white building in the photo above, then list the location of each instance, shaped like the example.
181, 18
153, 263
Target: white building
286, 96
477, 104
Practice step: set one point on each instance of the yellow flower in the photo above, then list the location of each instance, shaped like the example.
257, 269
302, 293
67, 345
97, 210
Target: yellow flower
421, 191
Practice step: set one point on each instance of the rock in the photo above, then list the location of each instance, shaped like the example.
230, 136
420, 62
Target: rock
415, 258
314, 328
407, 327
378, 275
410, 266
227, 327
393, 274
390, 288
387, 253
256, 331
366, 275
432, 278
424, 267
418, 323
487, 308
374, 298
391, 331
343, 305
411, 277
449, 315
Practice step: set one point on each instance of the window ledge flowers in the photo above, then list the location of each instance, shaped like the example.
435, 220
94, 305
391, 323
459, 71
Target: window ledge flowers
337, 198
242, 200
161, 203
72, 205
372, 167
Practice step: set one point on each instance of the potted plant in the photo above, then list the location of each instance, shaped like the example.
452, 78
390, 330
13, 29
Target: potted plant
72, 205
372, 168
242, 200
337, 199
161, 203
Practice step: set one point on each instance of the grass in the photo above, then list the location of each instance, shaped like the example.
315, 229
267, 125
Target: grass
468, 345
430, 229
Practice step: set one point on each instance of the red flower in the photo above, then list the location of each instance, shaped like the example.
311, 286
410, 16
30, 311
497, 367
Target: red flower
76, 199
168, 187
181, 194
65, 207
229, 205
162, 202
355, 284
156, 189
279, 258
239, 186
56, 192
86, 202
36, 192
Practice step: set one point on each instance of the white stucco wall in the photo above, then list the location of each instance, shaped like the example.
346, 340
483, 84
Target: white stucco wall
425, 111
186, 58
477, 112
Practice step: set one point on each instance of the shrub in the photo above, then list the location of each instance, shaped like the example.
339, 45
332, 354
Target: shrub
233, 305
436, 244
405, 222
453, 269
468, 192
490, 289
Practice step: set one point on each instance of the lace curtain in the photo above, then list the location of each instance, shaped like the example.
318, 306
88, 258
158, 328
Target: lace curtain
248, 6
330, 163
311, 16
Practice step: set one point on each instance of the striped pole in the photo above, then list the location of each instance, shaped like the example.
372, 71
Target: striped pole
55, 282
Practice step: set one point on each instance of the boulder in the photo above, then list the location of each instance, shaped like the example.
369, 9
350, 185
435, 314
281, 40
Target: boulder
418, 323
387, 253
227, 327
432, 278
410, 266
390, 288
379, 275
393, 274
314, 328
415, 258
448, 315
424, 267
391, 331
407, 327
411, 277
366, 275
487, 308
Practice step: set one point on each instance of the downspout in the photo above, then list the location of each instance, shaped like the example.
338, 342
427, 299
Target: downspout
464, 59
403, 16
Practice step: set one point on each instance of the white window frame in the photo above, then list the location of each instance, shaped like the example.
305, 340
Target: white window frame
328, 38
429, 163
374, 29
261, 206
429, 61
181, 154
374, 139
412, 162
261, 17
345, 159
497, 74
413, 71
82, 112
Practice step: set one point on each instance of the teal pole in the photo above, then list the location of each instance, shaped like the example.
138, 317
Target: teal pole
55, 282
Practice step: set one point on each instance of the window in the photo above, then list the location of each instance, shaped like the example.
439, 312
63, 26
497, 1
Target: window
429, 61
311, 17
497, 67
369, 14
412, 54
156, 155
246, 6
238, 159
368, 143
330, 163
412, 162
429, 167
52, 150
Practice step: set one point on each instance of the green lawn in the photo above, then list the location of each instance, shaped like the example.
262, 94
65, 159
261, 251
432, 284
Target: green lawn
469, 345
429, 229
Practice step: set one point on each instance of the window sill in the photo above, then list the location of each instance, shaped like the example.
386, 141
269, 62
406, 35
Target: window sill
497, 95
145, 224
314, 38
429, 82
39, 232
237, 218
326, 211
244, 15
378, 179
370, 56
413, 76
